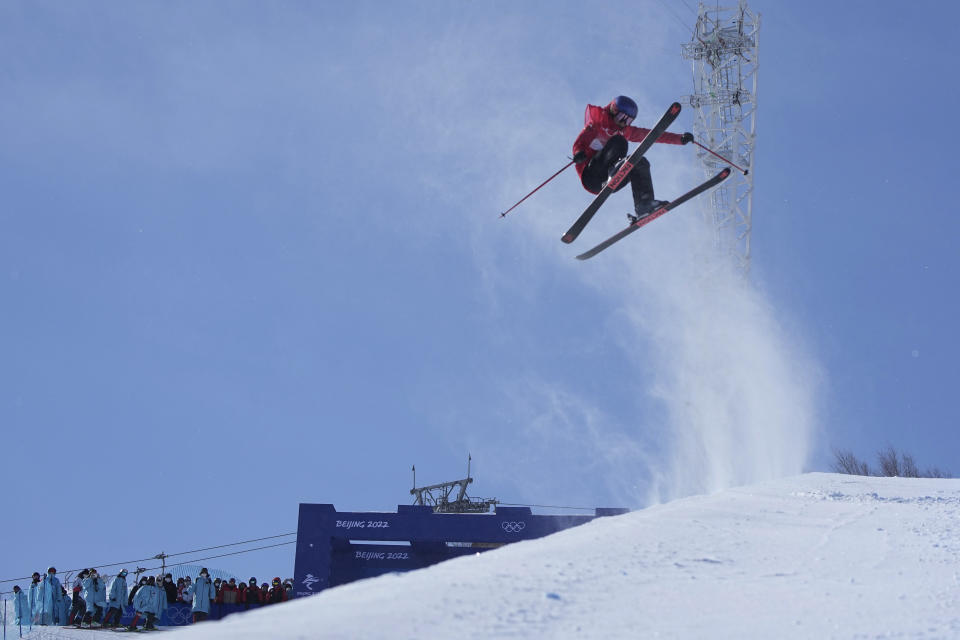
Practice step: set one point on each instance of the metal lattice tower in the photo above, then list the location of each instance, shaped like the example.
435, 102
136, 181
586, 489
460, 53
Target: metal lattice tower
725, 63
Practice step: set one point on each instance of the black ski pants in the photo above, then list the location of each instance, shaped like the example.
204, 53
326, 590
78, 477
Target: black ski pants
77, 610
94, 615
136, 618
112, 612
597, 171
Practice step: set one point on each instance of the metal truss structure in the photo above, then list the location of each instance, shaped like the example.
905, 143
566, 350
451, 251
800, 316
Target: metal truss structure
441, 496
725, 63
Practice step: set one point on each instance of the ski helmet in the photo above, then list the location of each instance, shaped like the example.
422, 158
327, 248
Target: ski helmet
623, 109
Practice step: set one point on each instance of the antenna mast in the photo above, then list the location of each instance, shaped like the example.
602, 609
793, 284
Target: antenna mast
725, 63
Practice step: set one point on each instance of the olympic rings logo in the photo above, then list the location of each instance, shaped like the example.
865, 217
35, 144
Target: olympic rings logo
513, 527
178, 615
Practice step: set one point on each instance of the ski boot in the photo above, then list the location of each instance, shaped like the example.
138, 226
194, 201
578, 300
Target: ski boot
644, 208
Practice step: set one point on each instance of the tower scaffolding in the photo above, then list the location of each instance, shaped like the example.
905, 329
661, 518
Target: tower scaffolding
725, 64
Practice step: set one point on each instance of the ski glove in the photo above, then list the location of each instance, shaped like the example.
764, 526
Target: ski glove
686, 138
580, 157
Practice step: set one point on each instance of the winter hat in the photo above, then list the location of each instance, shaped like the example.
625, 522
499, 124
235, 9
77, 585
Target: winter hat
151, 580
16, 588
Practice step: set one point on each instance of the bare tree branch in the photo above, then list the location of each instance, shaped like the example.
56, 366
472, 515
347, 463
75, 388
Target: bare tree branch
908, 468
845, 462
890, 463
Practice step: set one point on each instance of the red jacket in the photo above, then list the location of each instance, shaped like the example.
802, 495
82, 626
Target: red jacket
250, 595
600, 127
227, 593
277, 594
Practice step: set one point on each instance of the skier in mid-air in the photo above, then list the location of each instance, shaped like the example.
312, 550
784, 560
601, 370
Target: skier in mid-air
602, 144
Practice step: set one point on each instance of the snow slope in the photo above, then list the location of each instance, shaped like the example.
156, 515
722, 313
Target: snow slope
813, 556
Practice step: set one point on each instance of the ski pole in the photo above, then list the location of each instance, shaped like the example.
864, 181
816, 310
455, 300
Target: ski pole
535, 190
744, 171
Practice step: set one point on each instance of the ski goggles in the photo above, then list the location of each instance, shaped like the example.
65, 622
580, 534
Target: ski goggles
622, 119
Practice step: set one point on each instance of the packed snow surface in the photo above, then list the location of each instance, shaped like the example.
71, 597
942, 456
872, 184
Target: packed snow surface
813, 556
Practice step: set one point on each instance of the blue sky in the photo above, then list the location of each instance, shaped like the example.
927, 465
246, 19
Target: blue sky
252, 257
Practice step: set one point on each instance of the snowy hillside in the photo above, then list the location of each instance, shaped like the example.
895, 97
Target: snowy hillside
814, 556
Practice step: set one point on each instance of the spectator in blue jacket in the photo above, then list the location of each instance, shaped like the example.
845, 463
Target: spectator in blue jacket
33, 597
116, 599
203, 594
21, 607
151, 601
65, 603
49, 604
136, 587
95, 595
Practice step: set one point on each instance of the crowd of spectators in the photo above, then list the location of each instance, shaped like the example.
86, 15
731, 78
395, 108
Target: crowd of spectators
93, 602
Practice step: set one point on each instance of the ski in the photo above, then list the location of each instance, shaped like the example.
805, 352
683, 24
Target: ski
712, 182
625, 169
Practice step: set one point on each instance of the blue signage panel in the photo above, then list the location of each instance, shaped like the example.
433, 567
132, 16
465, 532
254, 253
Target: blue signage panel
335, 548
